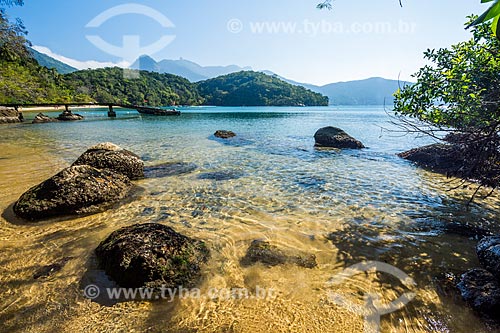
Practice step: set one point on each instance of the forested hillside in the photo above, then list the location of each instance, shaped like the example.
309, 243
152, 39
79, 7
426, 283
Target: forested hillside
109, 85
249, 88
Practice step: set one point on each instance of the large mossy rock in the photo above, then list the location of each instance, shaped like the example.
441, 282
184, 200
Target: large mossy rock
270, 255
441, 158
334, 137
9, 115
481, 290
488, 252
110, 156
75, 190
152, 255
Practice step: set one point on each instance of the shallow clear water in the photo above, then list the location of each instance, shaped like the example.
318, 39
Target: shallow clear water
344, 207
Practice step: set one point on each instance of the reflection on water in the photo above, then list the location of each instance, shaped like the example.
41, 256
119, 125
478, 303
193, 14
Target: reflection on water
343, 207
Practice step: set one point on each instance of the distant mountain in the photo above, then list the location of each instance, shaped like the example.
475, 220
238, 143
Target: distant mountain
49, 62
372, 91
185, 68
295, 83
248, 88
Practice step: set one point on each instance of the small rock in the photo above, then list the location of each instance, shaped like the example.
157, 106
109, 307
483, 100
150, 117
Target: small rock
147, 211
488, 252
110, 156
224, 134
481, 290
75, 190
336, 138
41, 118
152, 255
69, 116
270, 255
48, 270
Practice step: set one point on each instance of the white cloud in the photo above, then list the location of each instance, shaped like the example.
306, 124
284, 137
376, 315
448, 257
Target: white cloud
79, 64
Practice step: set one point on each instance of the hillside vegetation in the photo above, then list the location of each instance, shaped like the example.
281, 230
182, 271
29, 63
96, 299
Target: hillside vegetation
24, 81
108, 85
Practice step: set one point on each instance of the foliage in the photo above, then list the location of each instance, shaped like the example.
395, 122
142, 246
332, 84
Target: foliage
109, 85
24, 81
248, 88
493, 13
461, 92
13, 43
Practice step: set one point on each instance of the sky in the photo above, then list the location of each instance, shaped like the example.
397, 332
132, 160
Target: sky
355, 40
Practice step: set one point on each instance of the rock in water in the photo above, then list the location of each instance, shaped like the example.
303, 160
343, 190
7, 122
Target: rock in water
442, 158
46, 271
9, 115
152, 255
270, 255
75, 190
41, 118
488, 252
336, 138
224, 134
110, 156
69, 116
481, 290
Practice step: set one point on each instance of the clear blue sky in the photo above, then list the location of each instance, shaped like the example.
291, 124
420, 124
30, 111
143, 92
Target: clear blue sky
350, 42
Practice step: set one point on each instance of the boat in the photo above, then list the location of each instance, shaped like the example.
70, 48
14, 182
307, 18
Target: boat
157, 111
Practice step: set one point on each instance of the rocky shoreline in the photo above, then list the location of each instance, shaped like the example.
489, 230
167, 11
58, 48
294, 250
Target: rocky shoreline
153, 254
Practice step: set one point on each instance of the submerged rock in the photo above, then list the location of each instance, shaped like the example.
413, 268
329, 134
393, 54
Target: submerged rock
481, 290
224, 134
270, 255
169, 169
41, 118
9, 115
488, 252
75, 190
46, 271
221, 175
110, 156
69, 116
336, 138
152, 255
464, 229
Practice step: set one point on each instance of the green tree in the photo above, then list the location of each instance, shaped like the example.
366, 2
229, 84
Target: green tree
492, 14
13, 43
460, 93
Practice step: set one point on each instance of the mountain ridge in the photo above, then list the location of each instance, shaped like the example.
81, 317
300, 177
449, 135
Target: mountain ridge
49, 62
370, 91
